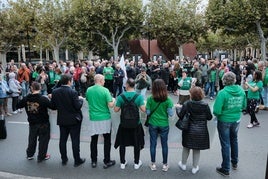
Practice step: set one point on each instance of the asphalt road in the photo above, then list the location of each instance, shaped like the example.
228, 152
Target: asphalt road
253, 148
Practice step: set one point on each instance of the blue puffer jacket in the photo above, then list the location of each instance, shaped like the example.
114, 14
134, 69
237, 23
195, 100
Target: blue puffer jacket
3, 89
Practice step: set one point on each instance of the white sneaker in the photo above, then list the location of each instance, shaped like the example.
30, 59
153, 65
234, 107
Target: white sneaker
182, 166
137, 166
250, 125
20, 110
153, 167
195, 170
15, 112
123, 165
165, 167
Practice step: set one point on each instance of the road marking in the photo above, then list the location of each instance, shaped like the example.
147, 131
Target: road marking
17, 122
11, 175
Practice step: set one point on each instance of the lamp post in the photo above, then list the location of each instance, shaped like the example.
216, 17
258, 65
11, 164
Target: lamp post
149, 47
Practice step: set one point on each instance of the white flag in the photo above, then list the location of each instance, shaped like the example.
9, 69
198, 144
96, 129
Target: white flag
123, 67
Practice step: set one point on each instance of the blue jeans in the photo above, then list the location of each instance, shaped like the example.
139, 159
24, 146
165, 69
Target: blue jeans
24, 88
210, 86
163, 132
265, 96
229, 143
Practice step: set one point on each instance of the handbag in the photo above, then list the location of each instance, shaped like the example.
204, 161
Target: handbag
148, 116
184, 123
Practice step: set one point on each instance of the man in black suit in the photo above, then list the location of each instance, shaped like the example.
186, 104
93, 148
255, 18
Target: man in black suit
68, 103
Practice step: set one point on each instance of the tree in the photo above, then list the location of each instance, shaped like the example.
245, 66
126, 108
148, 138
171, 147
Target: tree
175, 21
220, 41
238, 17
109, 19
8, 33
54, 23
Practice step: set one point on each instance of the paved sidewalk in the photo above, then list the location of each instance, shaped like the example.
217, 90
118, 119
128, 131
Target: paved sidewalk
253, 148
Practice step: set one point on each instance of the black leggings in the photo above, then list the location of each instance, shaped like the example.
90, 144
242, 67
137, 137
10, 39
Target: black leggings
252, 103
14, 103
122, 152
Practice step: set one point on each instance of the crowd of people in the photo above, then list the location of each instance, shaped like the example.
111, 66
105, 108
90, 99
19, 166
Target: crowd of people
236, 87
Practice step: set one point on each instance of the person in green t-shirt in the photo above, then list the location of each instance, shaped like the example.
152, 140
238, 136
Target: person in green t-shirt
108, 73
99, 100
210, 85
130, 136
254, 89
159, 107
262, 66
51, 79
185, 83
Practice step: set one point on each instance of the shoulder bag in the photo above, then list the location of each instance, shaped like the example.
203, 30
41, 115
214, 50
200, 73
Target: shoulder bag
183, 123
148, 116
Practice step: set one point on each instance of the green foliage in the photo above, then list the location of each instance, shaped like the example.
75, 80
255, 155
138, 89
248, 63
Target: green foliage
9, 36
106, 19
175, 21
238, 17
220, 41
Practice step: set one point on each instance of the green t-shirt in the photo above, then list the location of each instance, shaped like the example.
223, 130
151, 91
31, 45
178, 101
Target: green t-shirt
57, 77
108, 73
256, 94
139, 101
212, 76
35, 75
265, 80
98, 98
52, 77
221, 73
186, 84
160, 116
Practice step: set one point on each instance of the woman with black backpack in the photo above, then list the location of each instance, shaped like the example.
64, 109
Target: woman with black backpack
130, 131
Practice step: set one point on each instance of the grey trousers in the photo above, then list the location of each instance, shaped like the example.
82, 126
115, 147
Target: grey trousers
185, 155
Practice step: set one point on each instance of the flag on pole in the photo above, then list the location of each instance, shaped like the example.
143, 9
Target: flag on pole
123, 67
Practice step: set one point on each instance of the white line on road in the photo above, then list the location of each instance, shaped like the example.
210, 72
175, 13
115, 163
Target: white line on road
11, 175
17, 122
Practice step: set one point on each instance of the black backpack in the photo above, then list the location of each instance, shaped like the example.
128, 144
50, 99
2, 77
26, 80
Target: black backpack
130, 116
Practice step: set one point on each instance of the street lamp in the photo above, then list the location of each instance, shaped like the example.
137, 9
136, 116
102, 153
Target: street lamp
149, 47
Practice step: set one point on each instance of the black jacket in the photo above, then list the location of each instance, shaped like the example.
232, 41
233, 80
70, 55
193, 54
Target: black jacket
36, 108
66, 101
118, 76
197, 136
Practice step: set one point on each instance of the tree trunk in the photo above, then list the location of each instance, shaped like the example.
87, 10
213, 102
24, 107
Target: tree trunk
263, 41
80, 55
115, 52
235, 51
23, 53
263, 49
66, 55
181, 52
90, 55
41, 53
47, 55
3, 59
56, 53
19, 53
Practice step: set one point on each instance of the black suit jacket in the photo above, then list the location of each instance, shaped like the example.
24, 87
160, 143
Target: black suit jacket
66, 101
